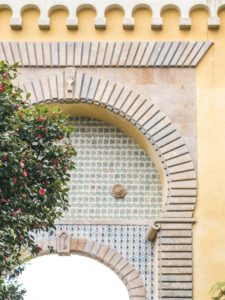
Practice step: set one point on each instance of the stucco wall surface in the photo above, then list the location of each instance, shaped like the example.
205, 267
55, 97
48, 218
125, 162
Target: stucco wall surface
209, 230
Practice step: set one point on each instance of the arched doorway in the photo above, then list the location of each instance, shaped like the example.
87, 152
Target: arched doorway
71, 277
65, 244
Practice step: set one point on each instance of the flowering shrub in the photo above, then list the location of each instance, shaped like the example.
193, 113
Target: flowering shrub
34, 172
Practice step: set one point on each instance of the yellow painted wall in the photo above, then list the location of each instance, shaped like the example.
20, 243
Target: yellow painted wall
209, 231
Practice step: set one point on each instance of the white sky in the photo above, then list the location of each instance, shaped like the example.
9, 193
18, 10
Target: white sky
74, 277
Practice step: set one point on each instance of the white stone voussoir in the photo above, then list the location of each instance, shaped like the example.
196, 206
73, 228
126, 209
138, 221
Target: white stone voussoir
135, 54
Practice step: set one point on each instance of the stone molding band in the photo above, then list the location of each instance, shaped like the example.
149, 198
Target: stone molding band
125, 222
104, 254
158, 54
157, 7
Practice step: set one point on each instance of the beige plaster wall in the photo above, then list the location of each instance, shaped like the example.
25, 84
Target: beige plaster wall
209, 231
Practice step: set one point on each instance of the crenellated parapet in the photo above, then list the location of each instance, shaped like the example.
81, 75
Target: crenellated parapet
101, 7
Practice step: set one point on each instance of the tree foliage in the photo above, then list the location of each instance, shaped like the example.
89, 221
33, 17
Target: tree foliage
35, 168
218, 291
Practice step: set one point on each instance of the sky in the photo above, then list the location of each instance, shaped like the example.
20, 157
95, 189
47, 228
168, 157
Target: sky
74, 277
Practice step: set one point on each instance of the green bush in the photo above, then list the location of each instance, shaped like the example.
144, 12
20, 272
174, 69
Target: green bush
35, 169
218, 291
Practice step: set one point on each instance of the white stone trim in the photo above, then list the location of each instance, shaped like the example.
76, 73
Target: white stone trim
102, 6
124, 222
174, 251
105, 54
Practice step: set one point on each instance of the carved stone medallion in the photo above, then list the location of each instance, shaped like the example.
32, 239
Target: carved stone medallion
119, 191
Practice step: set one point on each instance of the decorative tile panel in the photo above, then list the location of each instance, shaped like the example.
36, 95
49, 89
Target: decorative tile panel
129, 241
105, 157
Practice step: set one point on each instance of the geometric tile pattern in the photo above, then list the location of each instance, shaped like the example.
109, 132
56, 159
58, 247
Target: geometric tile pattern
129, 241
106, 156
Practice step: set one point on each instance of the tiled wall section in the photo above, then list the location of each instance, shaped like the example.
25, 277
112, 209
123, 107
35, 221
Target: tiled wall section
129, 241
106, 156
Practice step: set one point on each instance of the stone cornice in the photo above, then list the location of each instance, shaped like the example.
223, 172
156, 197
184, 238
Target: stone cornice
104, 54
46, 7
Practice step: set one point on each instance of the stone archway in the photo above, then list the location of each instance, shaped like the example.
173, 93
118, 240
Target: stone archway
73, 87
174, 241
65, 244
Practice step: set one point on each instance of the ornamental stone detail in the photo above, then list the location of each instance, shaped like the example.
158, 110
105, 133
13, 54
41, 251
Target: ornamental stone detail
135, 54
157, 7
63, 243
119, 191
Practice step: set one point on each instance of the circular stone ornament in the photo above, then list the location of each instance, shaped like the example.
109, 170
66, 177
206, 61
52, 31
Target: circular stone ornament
119, 191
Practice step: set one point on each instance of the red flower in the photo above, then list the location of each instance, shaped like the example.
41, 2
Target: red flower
22, 163
24, 196
14, 179
36, 225
16, 212
6, 76
2, 87
39, 136
5, 201
41, 127
41, 119
25, 173
38, 249
42, 191
55, 162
